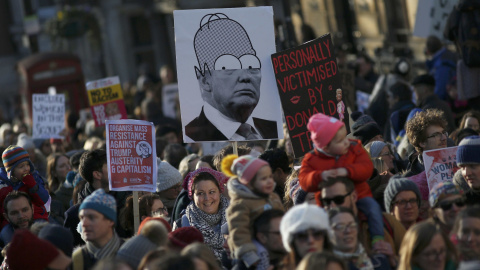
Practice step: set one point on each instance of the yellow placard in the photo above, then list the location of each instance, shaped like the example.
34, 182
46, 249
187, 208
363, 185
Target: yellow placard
105, 94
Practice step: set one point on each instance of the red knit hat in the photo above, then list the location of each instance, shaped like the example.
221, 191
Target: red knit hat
162, 220
40, 253
323, 128
185, 236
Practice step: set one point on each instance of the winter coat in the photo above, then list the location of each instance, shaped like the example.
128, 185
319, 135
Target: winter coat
442, 67
245, 207
356, 161
38, 194
415, 165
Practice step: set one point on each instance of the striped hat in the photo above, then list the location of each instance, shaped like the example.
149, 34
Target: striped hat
14, 155
101, 202
468, 151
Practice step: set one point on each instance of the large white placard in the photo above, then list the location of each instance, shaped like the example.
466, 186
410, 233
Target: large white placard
432, 16
237, 42
48, 113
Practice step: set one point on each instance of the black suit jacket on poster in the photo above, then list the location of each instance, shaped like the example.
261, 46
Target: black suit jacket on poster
201, 129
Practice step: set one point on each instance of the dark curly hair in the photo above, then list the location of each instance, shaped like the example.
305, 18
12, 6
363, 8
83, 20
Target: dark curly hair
417, 126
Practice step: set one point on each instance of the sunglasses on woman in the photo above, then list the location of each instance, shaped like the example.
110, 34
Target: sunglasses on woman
304, 236
447, 205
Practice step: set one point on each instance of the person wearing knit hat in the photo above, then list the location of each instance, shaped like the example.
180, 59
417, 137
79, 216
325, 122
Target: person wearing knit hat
59, 236
305, 228
169, 183
368, 133
152, 236
251, 189
207, 210
336, 156
379, 149
402, 199
184, 236
36, 156
98, 215
27, 251
468, 159
446, 201
19, 174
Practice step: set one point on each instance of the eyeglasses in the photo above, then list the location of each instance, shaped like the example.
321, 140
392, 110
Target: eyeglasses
447, 205
338, 200
305, 235
160, 211
438, 135
386, 154
434, 254
343, 227
403, 203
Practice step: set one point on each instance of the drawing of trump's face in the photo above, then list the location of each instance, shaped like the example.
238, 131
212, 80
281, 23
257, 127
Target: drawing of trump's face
229, 75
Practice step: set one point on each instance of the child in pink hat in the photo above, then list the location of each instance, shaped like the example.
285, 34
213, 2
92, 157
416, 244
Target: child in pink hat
251, 189
336, 156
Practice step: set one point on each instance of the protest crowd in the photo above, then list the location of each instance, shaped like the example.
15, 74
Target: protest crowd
362, 198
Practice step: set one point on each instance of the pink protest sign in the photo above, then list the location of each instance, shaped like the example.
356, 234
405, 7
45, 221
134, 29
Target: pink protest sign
131, 155
440, 165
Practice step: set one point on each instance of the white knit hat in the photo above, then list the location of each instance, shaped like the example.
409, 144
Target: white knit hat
303, 217
25, 141
167, 176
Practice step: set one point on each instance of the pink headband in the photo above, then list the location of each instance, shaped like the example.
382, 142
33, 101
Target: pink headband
220, 177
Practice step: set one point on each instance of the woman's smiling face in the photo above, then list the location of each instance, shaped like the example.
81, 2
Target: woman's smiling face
207, 196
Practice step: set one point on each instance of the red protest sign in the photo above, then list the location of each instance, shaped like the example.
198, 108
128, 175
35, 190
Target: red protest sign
131, 155
308, 82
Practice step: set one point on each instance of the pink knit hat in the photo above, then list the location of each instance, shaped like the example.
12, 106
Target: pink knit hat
246, 167
323, 128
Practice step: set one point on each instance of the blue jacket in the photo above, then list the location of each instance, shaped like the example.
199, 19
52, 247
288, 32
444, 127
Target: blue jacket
443, 68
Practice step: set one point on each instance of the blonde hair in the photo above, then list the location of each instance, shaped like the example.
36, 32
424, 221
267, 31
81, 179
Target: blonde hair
202, 252
379, 164
319, 260
417, 238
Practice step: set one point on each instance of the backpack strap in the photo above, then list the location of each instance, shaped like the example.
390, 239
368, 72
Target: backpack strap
78, 259
387, 226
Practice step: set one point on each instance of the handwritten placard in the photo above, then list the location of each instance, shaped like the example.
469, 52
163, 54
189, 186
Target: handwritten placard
308, 82
440, 165
48, 113
106, 100
131, 155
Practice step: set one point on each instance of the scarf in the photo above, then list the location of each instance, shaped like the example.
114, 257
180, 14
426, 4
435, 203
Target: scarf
205, 223
108, 250
359, 258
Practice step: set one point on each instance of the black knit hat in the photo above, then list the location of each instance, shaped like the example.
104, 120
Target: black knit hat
367, 132
425, 79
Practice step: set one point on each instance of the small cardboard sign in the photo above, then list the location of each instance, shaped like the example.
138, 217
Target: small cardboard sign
308, 82
440, 165
106, 100
48, 113
131, 155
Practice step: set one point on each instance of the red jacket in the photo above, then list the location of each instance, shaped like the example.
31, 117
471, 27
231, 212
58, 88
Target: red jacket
356, 161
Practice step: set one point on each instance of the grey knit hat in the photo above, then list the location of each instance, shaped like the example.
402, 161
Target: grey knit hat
376, 148
133, 250
397, 185
167, 176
